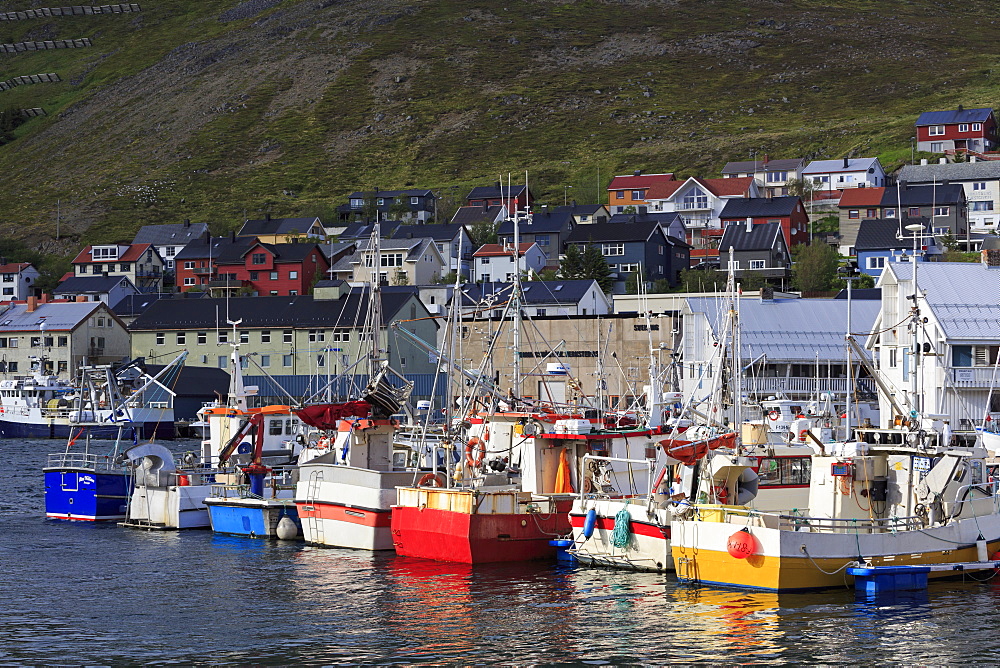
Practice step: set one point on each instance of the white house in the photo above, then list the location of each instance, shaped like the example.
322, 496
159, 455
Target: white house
980, 179
17, 280
170, 239
831, 177
699, 203
400, 262
107, 289
957, 339
494, 263
772, 176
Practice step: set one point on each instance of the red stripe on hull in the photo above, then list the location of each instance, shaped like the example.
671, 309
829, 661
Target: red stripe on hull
330, 511
445, 535
638, 528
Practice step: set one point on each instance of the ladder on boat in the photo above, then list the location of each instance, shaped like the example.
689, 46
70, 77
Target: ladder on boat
315, 524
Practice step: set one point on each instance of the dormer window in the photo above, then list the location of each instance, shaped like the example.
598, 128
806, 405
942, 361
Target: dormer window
104, 253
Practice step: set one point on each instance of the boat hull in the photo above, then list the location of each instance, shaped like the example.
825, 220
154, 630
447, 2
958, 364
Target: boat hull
787, 560
65, 430
648, 546
253, 518
173, 507
337, 525
474, 528
83, 494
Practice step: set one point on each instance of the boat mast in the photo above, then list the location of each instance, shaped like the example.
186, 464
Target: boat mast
515, 293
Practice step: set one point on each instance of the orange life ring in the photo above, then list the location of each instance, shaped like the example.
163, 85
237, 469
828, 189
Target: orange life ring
475, 460
802, 435
774, 415
431, 480
323, 443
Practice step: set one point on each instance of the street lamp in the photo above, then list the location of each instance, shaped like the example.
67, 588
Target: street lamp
912, 140
566, 194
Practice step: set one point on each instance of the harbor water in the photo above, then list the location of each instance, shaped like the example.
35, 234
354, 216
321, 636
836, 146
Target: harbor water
75, 593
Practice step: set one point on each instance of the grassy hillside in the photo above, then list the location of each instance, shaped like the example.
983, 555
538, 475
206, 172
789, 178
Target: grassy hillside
220, 110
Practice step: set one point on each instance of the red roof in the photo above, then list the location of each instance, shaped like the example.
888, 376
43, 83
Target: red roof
14, 267
131, 254
861, 196
636, 182
739, 187
489, 250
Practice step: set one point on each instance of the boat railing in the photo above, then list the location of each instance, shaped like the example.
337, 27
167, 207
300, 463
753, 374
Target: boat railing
649, 463
87, 460
797, 522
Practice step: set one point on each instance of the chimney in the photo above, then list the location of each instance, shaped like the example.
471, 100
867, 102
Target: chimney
767, 293
749, 225
847, 162
972, 158
267, 217
187, 222
960, 108
637, 172
32, 303
990, 257
767, 159
902, 184
81, 298
923, 161
44, 299
232, 236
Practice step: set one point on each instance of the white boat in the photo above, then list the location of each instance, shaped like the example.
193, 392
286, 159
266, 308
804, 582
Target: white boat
164, 495
46, 406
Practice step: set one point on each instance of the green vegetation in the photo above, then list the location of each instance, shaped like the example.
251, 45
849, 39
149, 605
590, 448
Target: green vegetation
815, 268
216, 112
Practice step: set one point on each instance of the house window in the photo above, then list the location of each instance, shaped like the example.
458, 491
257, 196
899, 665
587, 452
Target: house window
638, 194
189, 264
293, 293
258, 258
357, 203
914, 211
890, 213
189, 281
937, 147
696, 199
776, 177
391, 260
977, 127
542, 239
223, 336
36, 341
62, 341
286, 360
293, 275
963, 127
244, 337
286, 336
632, 268
223, 361
320, 360
935, 130
317, 335
757, 264
876, 262
540, 311
274, 275
265, 361
619, 194
613, 249
273, 293
940, 211
821, 179
341, 337
121, 267
12, 343
181, 338
265, 336
485, 278
380, 201
202, 338
8, 291
254, 275
979, 185
414, 200
854, 214
8, 278
660, 247
986, 205
161, 338
871, 213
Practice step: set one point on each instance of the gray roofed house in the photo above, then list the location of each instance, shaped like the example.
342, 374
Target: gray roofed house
546, 228
586, 214
359, 231
885, 241
637, 246
448, 237
415, 204
59, 337
831, 177
288, 336
944, 204
540, 298
283, 230
760, 248
959, 336
785, 338
170, 239
979, 178
402, 262
129, 308
471, 215
951, 116
772, 176
107, 289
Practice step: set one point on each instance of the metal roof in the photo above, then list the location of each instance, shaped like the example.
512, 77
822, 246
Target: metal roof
954, 116
954, 171
964, 297
61, 316
795, 330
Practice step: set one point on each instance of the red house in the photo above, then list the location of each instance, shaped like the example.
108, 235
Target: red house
233, 264
959, 130
626, 191
786, 211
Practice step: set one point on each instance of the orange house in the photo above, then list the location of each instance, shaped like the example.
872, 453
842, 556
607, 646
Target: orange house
626, 191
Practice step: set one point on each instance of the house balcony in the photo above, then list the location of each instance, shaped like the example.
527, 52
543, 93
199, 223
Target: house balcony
693, 206
865, 387
148, 273
203, 271
972, 377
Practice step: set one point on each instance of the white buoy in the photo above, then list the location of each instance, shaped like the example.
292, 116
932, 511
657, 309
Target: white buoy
286, 529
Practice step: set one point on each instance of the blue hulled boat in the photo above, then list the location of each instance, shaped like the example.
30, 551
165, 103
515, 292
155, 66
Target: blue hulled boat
86, 486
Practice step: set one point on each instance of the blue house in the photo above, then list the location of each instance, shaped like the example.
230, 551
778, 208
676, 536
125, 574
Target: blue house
634, 248
416, 204
886, 240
